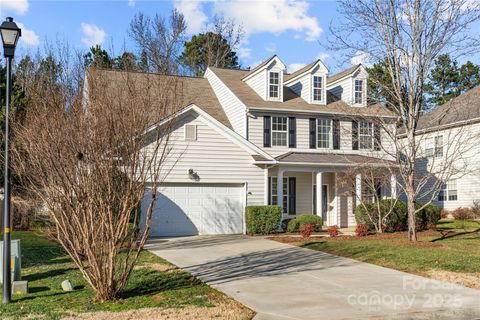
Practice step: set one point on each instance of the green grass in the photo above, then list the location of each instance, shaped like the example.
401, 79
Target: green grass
458, 225
457, 251
45, 265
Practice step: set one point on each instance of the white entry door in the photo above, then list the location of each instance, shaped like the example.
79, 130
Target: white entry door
189, 209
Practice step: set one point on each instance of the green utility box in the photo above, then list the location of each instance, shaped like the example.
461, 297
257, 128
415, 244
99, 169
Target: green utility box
16, 261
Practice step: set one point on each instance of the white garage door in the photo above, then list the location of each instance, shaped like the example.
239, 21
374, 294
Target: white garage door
191, 209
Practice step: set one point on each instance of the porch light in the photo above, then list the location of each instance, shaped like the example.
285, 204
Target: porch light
10, 33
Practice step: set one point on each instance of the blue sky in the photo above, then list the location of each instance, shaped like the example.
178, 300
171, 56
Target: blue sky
295, 30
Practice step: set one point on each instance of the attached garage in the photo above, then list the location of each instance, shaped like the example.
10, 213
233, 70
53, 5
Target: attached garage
184, 209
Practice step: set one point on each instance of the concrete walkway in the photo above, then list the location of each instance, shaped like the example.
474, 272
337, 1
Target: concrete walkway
280, 281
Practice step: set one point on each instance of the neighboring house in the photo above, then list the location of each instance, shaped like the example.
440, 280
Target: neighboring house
263, 136
449, 139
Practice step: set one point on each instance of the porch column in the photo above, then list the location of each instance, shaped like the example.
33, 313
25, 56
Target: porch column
358, 188
280, 188
266, 187
393, 186
318, 182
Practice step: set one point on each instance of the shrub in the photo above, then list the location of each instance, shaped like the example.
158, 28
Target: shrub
428, 215
306, 230
297, 223
262, 219
361, 230
396, 220
475, 209
444, 214
461, 213
333, 231
432, 226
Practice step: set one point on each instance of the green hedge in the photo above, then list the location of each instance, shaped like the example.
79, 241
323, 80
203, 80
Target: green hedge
398, 219
298, 222
263, 219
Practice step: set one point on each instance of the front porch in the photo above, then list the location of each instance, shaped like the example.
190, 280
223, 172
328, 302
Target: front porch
294, 186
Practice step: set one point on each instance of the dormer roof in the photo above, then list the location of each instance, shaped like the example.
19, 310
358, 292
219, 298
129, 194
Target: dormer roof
343, 74
308, 68
262, 66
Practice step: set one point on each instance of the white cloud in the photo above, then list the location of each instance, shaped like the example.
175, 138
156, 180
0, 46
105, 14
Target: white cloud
244, 53
194, 15
16, 6
272, 47
271, 16
29, 37
131, 3
295, 66
323, 56
360, 57
92, 34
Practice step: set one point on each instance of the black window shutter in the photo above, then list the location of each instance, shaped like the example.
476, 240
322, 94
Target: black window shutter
267, 120
292, 132
269, 190
313, 133
354, 135
292, 206
336, 134
377, 137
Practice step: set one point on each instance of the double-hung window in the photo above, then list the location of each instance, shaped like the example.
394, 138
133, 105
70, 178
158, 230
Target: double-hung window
274, 85
365, 135
358, 91
434, 146
324, 133
279, 131
317, 88
285, 193
448, 191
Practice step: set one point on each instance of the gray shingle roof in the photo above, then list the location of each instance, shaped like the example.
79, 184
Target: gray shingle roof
462, 108
300, 71
342, 74
261, 65
331, 158
292, 101
188, 90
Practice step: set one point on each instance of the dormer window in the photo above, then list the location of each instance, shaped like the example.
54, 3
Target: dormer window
317, 88
358, 91
273, 84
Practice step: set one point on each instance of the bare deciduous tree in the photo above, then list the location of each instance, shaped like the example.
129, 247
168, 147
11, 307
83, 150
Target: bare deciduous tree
159, 41
407, 35
89, 151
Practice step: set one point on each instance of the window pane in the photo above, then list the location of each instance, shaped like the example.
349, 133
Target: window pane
439, 146
324, 133
273, 194
317, 88
279, 131
365, 135
358, 95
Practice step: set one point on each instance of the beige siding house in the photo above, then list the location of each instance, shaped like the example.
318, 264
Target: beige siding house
264, 136
449, 143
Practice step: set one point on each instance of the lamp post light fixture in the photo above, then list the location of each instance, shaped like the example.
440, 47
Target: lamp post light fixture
10, 33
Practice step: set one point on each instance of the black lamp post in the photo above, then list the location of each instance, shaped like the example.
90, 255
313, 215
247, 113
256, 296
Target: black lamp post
10, 34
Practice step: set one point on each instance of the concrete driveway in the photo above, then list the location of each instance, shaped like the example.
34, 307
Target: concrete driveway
280, 281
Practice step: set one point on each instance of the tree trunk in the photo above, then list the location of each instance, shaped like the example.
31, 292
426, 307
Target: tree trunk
411, 199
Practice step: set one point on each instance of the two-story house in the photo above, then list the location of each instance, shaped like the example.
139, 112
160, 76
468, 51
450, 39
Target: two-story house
448, 152
265, 136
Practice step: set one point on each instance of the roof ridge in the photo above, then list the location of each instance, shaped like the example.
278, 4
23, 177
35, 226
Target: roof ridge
144, 72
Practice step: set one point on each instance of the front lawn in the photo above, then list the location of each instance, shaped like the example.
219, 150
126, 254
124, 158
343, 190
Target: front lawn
155, 283
452, 254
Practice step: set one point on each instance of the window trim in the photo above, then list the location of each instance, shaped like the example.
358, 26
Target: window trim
433, 150
272, 131
330, 137
276, 85
372, 135
444, 193
285, 195
361, 92
318, 88
185, 132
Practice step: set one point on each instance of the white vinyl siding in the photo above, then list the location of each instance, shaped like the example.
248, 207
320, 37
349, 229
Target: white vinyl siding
215, 159
302, 87
434, 146
342, 90
233, 107
257, 83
